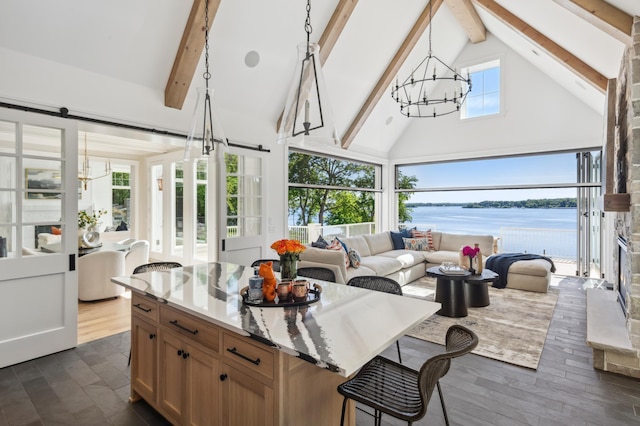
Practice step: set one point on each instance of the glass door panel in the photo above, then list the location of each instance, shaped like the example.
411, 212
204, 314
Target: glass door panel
177, 248
157, 182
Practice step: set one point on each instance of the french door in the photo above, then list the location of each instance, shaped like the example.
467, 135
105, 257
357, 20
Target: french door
38, 195
242, 220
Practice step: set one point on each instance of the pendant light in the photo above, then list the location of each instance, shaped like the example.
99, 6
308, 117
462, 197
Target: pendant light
206, 130
307, 116
85, 174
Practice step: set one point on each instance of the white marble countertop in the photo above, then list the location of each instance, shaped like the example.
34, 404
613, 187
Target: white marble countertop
346, 328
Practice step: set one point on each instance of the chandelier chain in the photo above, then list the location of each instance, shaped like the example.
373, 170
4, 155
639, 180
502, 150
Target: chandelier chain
307, 25
207, 74
430, 24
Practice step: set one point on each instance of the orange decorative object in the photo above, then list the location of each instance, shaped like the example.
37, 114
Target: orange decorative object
270, 283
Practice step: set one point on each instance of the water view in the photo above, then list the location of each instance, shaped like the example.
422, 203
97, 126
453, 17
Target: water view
546, 230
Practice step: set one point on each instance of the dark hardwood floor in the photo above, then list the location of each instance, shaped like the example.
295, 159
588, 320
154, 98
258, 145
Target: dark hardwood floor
89, 385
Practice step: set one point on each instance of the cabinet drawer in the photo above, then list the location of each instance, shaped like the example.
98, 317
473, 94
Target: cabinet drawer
144, 306
196, 329
249, 355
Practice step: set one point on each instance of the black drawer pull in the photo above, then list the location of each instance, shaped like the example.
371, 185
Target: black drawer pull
139, 306
152, 336
175, 322
235, 352
223, 377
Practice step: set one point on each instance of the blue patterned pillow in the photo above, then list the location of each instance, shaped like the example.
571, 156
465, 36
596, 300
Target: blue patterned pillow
354, 258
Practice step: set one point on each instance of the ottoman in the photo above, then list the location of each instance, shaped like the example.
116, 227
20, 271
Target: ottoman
531, 275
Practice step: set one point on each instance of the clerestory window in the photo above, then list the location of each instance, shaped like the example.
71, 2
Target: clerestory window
484, 98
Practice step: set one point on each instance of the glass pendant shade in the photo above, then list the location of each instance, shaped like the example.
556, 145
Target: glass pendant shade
307, 117
206, 134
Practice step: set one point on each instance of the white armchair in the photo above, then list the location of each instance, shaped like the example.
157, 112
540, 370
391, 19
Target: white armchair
94, 275
136, 256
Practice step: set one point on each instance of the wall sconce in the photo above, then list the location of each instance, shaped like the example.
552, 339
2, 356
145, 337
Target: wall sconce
160, 184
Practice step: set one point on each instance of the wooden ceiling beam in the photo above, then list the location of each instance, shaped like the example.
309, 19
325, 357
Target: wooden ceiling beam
189, 54
579, 67
468, 18
331, 34
602, 15
390, 72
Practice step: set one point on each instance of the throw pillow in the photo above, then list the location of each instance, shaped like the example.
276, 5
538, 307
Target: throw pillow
344, 246
406, 233
418, 244
320, 243
396, 239
354, 258
424, 234
122, 227
56, 230
335, 245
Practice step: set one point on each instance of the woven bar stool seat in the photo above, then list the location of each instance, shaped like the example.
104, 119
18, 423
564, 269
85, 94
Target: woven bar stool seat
401, 392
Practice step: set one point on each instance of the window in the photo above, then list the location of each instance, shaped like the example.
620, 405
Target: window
331, 196
244, 195
484, 98
121, 195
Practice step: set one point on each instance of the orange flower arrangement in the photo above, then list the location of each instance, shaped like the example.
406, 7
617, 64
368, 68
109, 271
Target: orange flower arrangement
289, 248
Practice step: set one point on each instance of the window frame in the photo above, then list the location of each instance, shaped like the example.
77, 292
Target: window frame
482, 66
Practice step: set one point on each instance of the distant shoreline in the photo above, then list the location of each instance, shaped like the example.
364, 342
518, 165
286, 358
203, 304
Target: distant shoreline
544, 203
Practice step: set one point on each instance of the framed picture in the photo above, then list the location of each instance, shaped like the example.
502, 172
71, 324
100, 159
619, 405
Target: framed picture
43, 184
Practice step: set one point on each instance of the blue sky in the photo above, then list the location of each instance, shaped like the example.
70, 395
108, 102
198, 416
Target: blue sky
556, 168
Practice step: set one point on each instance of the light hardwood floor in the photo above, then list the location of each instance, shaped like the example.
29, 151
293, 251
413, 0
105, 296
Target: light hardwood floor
104, 318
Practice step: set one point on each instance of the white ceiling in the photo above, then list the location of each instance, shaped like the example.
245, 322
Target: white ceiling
136, 41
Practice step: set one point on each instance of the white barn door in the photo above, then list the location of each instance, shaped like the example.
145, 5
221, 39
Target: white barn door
38, 195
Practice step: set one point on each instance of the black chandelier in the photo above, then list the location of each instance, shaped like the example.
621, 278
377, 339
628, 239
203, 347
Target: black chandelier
416, 93
206, 129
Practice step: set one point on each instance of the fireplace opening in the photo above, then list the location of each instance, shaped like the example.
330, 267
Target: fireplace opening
623, 279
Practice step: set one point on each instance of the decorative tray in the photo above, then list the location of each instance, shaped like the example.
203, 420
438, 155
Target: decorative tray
313, 296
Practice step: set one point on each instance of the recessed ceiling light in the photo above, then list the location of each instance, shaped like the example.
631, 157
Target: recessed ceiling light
252, 59
388, 120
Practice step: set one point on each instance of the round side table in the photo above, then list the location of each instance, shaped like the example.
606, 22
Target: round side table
450, 292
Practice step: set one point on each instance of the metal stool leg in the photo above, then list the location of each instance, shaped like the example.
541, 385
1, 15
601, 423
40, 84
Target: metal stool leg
444, 409
344, 406
399, 356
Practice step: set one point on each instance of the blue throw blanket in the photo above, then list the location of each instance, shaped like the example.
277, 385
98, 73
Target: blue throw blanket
501, 263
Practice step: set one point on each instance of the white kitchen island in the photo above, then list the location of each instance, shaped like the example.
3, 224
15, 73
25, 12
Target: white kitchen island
202, 356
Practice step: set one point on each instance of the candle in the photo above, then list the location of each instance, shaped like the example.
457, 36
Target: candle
306, 111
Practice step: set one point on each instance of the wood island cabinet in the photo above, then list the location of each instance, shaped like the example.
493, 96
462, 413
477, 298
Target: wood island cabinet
194, 372
189, 389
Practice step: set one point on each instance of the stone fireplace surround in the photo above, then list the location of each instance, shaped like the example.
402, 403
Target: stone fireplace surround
614, 332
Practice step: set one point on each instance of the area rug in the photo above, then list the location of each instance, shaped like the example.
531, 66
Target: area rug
511, 329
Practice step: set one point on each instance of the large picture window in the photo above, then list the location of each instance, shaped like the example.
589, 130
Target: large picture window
331, 196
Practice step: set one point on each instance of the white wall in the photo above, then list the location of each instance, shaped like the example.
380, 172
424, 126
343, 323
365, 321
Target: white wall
538, 115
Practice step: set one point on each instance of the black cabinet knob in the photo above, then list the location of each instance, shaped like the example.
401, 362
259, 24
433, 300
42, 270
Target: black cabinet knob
152, 336
185, 355
223, 377
180, 352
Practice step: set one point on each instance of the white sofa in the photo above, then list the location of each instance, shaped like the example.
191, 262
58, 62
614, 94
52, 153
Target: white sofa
379, 257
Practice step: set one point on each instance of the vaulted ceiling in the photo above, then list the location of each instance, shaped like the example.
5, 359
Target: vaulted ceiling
157, 44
